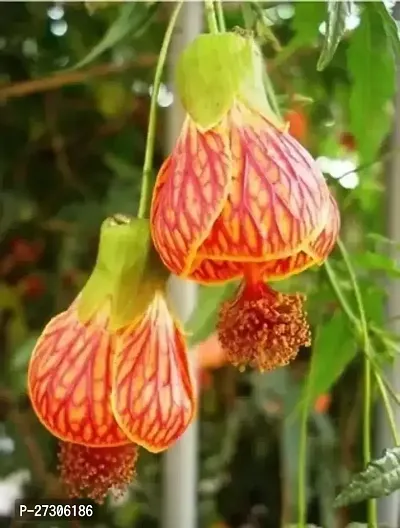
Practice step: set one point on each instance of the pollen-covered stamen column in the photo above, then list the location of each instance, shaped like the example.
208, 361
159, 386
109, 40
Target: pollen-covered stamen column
180, 462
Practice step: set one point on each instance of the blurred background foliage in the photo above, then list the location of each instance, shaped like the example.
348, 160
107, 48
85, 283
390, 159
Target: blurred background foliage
75, 84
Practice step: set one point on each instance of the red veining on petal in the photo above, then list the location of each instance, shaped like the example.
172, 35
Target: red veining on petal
69, 380
190, 191
92, 472
315, 253
278, 200
215, 271
322, 246
153, 397
262, 328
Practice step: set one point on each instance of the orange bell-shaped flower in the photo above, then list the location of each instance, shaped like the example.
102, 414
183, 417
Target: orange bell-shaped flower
239, 197
111, 372
238, 189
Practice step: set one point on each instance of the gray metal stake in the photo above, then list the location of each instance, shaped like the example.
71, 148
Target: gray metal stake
180, 462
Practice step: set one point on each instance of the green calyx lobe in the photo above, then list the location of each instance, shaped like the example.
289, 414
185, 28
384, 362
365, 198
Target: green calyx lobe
127, 272
214, 71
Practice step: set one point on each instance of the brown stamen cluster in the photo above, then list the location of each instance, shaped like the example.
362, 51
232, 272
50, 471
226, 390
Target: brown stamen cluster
89, 472
263, 328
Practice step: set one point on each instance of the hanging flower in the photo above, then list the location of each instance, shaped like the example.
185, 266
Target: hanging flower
111, 372
239, 197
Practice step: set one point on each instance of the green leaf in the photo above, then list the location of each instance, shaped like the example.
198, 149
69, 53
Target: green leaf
203, 321
371, 66
375, 261
381, 477
335, 29
334, 348
308, 16
134, 17
389, 23
307, 19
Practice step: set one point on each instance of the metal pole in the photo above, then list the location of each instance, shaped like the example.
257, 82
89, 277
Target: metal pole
389, 507
180, 462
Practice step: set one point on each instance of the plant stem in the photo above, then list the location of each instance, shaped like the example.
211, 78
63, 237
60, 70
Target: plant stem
340, 295
372, 513
388, 407
220, 15
302, 462
301, 471
211, 17
383, 385
271, 94
145, 193
248, 16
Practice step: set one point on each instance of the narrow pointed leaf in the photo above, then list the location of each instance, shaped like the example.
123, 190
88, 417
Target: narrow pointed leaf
381, 477
335, 29
133, 18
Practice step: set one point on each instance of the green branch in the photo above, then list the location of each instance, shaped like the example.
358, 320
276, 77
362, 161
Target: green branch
211, 16
145, 193
220, 16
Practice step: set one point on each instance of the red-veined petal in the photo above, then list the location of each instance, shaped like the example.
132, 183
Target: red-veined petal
69, 381
153, 397
278, 200
189, 194
208, 271
314, 254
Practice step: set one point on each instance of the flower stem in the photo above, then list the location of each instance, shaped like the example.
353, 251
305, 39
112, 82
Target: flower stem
340, 295
388, 407
372, 513
220, 15
145, 193
383, 385
271, 96
211, 17
302, 462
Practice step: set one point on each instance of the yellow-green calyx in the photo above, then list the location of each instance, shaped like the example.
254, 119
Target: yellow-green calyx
126, 274
217, 69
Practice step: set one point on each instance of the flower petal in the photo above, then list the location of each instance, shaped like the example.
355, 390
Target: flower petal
153, 397
69, 381
190, 191
278, 200
215, 271
314, 254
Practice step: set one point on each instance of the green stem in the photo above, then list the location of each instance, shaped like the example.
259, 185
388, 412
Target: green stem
372, 513
248, 16
302, 474
145, 194
211, 17
271, 94
340, 295
383, 385
302, 462
220, 16
388, 407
